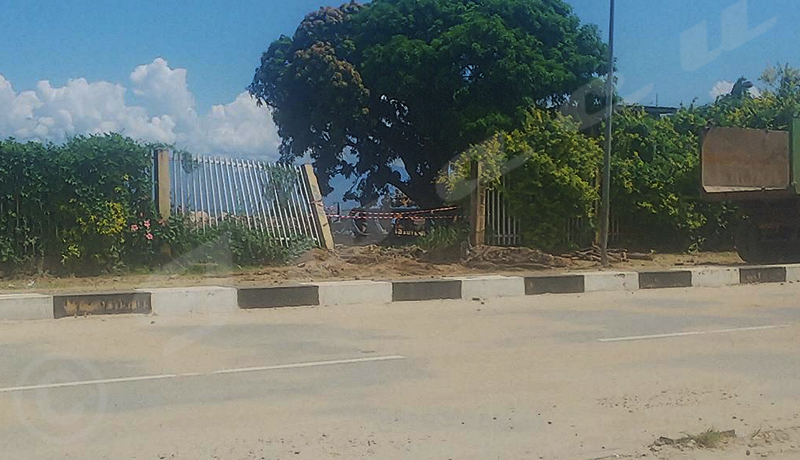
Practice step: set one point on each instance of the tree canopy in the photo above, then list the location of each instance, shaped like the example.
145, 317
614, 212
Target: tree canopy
365, 89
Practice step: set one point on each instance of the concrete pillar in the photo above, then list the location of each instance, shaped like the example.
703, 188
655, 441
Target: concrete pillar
477, 207
325, 235
163, 185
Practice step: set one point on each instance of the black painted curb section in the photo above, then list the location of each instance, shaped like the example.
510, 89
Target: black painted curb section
280, 296
405, 291
563, 284
759, 275
665, 279
113, 303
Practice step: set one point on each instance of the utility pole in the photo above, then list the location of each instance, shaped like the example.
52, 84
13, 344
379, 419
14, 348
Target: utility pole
606, 184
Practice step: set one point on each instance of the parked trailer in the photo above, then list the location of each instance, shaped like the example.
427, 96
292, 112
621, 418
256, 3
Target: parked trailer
759, 170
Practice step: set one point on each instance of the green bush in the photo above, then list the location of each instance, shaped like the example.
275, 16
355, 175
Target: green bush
250, 247
655, 188
231, 242
65, 207
549, 168
26, 175
444, 238
656, 184
86, 207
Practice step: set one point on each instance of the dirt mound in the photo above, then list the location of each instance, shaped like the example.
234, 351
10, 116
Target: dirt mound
592, 254
383, 262
374, 254
492, 257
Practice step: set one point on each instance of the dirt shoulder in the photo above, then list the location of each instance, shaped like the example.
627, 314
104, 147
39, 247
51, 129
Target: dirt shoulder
773, 444
357, 263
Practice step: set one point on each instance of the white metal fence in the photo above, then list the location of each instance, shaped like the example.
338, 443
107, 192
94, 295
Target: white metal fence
275, 199
502, 228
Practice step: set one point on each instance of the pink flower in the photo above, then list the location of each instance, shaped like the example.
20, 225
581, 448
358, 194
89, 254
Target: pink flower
147, 224
134, 227
149, 236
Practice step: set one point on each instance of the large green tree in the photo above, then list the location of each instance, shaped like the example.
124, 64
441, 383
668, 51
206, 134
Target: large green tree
413, 83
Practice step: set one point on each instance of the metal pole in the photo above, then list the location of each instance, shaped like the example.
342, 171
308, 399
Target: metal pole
182, 175
217, 193
606, 206
280, 213
298, 201
249, 197
258, 197
290, 205
232, 189
239, 171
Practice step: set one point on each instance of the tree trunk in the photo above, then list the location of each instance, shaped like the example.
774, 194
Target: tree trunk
421, 188
422, 192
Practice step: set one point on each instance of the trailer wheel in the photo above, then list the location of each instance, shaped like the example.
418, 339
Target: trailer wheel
750, 246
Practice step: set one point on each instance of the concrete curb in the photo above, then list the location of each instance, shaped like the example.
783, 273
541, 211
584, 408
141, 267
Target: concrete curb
335, 293
279, 296
221, 300
418, 290
20, 307
483, 287
665, 279
101, 303
193, 300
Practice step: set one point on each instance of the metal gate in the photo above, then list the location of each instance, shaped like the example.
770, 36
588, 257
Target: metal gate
502, 228
278, 200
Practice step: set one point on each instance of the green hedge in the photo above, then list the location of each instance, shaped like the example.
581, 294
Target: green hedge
67, 206
85, 207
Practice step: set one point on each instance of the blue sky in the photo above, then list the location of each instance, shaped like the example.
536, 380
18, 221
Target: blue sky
209, 49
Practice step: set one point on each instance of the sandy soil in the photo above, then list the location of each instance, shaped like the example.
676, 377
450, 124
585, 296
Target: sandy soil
778, 444
353, 263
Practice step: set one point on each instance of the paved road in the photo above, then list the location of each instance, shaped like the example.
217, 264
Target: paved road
555, 377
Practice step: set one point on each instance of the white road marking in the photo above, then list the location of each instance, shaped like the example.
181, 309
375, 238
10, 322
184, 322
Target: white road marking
199, 374
685, 334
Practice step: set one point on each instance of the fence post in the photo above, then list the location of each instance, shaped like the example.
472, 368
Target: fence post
477, 207
161, 162
318, 207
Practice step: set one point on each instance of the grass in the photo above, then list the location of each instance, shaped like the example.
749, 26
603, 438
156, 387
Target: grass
711, 439
443, 238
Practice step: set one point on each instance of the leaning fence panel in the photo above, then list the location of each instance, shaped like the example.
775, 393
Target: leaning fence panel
272, 199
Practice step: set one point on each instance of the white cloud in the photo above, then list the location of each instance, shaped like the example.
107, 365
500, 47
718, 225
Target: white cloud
720, 88
240, 126
164, 90
164, 111
724, 87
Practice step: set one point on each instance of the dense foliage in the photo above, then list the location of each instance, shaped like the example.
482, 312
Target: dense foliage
416, 82
656, 163
231, 243
655, 182
549, 170
68, 205
86, 207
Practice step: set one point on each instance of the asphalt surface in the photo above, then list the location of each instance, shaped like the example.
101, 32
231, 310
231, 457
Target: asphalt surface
554, 377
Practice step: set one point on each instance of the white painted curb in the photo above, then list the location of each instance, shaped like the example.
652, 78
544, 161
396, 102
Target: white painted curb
21, 307
792, 273
610, 281
193, 300
487, 287
714, 276
335, 293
